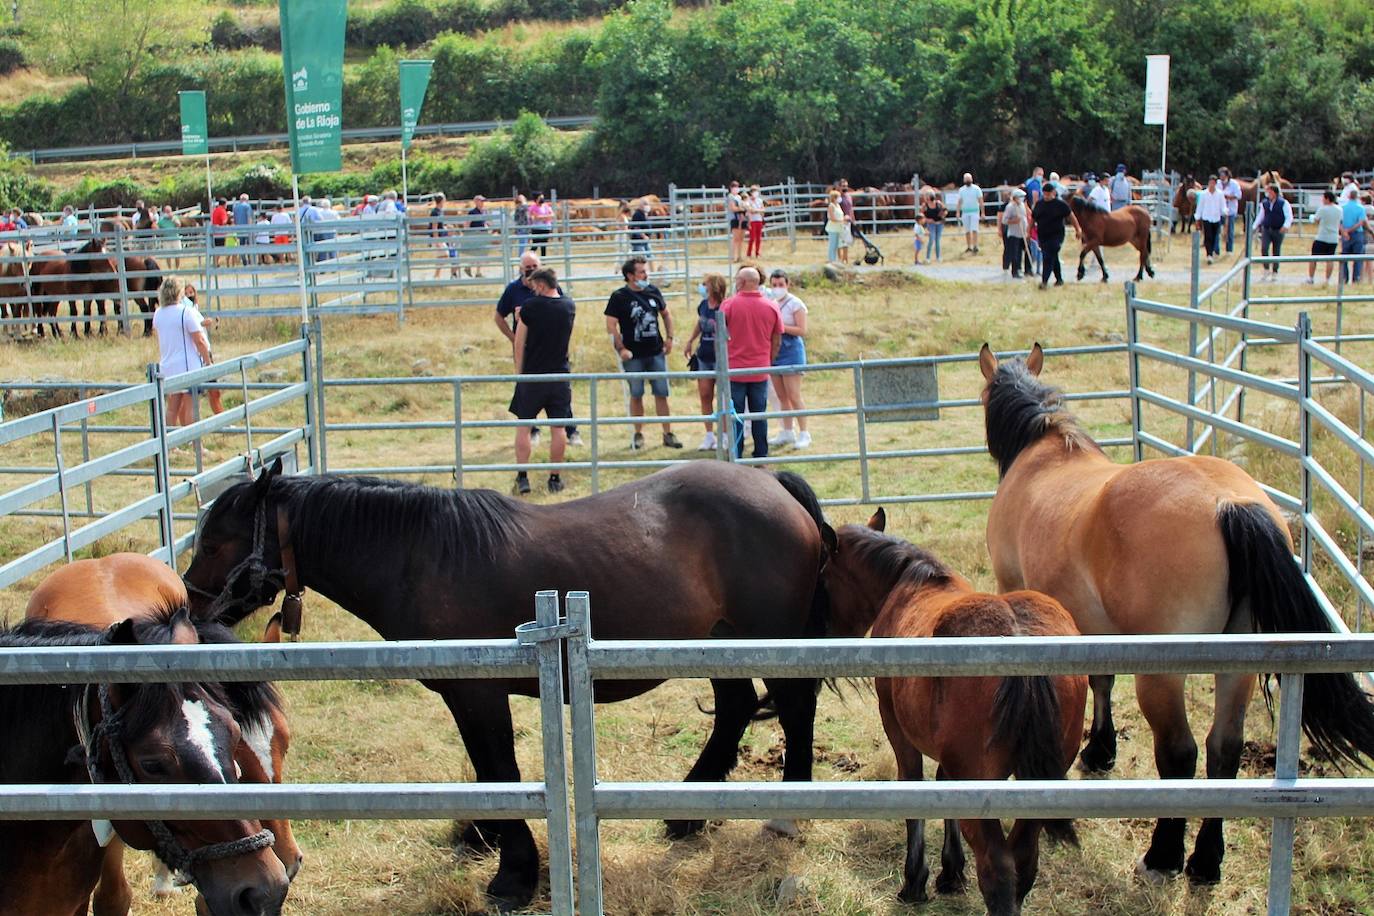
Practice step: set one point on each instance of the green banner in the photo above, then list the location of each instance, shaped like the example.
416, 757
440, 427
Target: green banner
195, 132
414, 82
312, 52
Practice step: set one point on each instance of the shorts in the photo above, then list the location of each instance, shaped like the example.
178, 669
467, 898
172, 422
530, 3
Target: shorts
735, 223
219, 241
704, 364
792, 352
640, 248
970, 221
1323, 248
554, 398
658, 363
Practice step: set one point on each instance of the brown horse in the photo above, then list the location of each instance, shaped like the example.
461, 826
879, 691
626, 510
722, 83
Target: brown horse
1185, 203
14, 284
88, 274
973, 727
1127, 226
99, 592
1177, 545
125, 733
675, 555
144, 276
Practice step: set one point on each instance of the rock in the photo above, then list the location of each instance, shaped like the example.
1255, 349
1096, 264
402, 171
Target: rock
790, 890
782, 827
831, 272
421, 367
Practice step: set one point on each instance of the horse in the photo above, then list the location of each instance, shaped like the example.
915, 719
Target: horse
1175, 545
103, 591
1129, 225
144, 276
1185, 203
14, 283
985, 727
157, 734
675, 555
73, 281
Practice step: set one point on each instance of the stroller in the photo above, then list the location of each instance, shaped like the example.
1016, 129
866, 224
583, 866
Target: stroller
872, 254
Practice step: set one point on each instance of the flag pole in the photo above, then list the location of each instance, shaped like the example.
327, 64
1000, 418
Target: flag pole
300, 249
405, 183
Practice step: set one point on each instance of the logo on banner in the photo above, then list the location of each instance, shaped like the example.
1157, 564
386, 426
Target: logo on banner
408, 114
300, 80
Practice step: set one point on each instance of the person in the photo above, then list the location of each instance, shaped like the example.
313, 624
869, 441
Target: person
1210, 211
1033, 256
755, 327
701, 350
441, 233
167, 228
622, 235
541, 224
1328, 220
263, 237
639, 232
919, 234
477, 223
1099, 196
734, 208
370, 207
933, 214
182, 345
520, 218
1353, 225
1272, 220
326, 213
69, 221
388, 206
219, 218
513, 298
1120, 188
216, 395
633, 316
847, 206
754, 208
1230, 190
834, 227
544, 326
1035, 186
243, 216
282, 233
791, 353
1049, 217
970, 198
1014, 219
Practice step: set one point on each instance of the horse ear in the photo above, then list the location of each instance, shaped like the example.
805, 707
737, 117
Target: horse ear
272, 632
878, 520
1036, 361
122, 633
264, 481
183, 631
987, 361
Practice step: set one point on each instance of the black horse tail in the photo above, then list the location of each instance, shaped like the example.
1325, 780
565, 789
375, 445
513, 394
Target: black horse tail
1026, 719
796, 485
1337, 715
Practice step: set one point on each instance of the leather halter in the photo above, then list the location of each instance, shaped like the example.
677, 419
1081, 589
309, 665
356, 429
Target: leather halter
169, 849
259, 574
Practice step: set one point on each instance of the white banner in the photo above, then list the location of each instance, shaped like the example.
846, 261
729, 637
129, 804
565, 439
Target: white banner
1157, 89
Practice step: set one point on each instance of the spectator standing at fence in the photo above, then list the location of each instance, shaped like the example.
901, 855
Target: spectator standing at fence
847, 206
388, 206
544, 327
1099, 196
541, 224
970, 199
1354, 224
69, 221
1120, 188
1230, 189
755, 327
520, 219
243, 216
477, 225
701, 350
622, 234
1272, 220
167, 228
513, 297
1014, 219
639, 232
1049, 217
919, 235
281, 234
327, 214
791, 356
1210, 211
834, 227
1035, 186
738, 217
641, 330
754, 207
1328, 220
182, 345
219, 218
933, 214
442, 235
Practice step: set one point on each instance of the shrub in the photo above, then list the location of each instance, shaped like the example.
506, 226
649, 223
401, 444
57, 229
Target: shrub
400, 24
11, 56
226, 34
25, 192
121, 192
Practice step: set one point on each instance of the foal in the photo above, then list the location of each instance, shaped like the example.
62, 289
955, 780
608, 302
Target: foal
974, 727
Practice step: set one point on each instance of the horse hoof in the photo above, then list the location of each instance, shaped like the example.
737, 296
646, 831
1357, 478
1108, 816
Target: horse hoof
1154, 876
508, 894
1200, 873
950, 883
781, 827
681, 830
1094, 761
474, 842
910, 894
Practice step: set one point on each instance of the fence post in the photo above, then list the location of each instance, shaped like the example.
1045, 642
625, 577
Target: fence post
1193, 289
792, 213
312, 447
1304, 329
162, 478
404, 289
581, 699
458, 434
862, 429
549, 649
595, 443
62, 485
85, 452
725, 440
123, 275
1285, 768
1133, 366
567, 248
1246, 278
321, 424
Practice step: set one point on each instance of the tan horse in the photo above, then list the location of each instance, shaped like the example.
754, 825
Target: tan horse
1127, 226
1178, 545
973, 727
1185, 204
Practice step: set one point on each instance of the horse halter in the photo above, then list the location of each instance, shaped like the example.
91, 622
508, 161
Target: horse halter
259, 574
169, 849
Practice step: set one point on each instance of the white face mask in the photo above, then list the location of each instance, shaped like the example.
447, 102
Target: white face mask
777, 293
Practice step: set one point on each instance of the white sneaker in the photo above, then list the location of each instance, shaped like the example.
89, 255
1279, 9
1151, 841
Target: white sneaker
785, 437
1310, 281
708, 443
803, 440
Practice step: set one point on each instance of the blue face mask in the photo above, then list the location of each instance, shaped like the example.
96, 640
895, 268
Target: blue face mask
701, 290
641, 284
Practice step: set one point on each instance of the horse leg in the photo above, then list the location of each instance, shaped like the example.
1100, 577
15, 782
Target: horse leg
146, 306
86, 306
1099, 754
100, 308
482, 713
1082, 253
996, 868
952, 862
910, 766
1024, 840
112, 896
796, 702
1101, 264
1161, 700
1233, 693
736, 703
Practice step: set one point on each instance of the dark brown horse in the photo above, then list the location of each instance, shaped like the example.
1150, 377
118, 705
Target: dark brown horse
1127, 226
972, 727
14, 284
144, 276
1177, 545
1185, 203
122, 733
88, 274
677, 555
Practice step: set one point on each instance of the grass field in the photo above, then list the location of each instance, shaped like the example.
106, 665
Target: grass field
392, 730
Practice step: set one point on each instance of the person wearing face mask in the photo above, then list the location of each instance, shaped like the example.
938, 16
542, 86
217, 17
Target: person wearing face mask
791, 352
755, 337
633, 316
507, 317
701, 349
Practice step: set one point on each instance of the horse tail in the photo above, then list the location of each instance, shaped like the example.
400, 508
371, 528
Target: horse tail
1026, 720
1337, 715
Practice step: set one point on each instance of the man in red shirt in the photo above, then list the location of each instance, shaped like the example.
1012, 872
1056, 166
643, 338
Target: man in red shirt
754, 326
219, 216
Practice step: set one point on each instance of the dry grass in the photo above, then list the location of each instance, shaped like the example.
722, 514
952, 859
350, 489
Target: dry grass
30, 81
398, 731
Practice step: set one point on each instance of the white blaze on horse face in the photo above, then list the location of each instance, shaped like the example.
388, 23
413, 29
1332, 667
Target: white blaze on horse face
199, 734
258, 736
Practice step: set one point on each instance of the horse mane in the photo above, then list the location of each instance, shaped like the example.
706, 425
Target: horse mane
892, 559
1021, 410
329, 514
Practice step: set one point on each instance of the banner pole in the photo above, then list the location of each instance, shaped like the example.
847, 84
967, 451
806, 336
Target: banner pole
405, 182
209, 190
300, 248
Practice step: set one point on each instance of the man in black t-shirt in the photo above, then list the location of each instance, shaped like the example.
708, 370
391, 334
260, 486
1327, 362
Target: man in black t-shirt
633, 313
1049, 217
516, 293
544, 326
